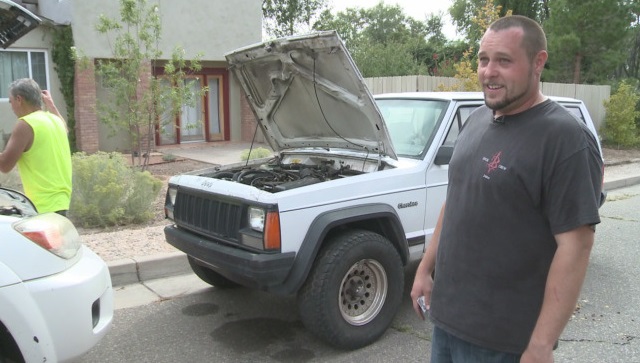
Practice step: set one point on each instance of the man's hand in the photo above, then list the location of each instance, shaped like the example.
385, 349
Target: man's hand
422, 286
47, 100
535, 355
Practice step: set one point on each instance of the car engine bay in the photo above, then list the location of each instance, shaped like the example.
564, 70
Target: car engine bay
294, 171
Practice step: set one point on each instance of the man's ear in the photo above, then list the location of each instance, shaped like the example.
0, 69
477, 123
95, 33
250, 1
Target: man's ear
540, 60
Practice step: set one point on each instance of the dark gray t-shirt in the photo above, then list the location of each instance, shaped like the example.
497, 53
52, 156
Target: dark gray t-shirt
512, 187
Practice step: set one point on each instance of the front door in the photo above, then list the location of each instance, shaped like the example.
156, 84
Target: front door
192, 116
204, 120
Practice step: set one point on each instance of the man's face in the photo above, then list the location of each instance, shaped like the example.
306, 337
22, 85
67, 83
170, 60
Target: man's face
508, 77
15, 105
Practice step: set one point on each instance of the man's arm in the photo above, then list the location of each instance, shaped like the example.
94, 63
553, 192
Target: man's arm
423, 281
19, 142
51, 107
566, 275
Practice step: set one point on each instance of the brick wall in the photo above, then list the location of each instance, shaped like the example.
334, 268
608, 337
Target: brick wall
248, 122
87, 138
146, 134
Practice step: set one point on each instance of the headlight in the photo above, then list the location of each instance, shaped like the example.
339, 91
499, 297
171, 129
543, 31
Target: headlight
256, 219
170, 201
172, 192
52, 232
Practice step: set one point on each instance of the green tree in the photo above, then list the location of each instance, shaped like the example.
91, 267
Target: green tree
466, 70
65, 63
289, 17
134, 105
463, 13
631, 68
620, 127
382, 39
586, 39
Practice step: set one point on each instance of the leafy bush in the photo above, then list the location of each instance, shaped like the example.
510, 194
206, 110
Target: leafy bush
255, 154
107, 191
620, 128
168, 157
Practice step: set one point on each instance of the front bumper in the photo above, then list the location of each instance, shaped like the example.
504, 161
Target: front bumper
60, 317
264, 271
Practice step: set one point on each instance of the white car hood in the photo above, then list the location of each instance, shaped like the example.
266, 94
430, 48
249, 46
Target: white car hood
306, 91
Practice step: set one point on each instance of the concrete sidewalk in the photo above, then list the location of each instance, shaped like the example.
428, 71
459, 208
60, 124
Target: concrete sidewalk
142, 269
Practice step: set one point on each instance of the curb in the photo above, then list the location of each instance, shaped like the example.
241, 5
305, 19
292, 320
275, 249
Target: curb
128, 271
621, 183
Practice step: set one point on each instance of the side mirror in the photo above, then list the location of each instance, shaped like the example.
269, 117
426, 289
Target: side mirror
443, 157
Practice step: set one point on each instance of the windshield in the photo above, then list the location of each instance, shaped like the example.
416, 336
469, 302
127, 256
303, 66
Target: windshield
411, 123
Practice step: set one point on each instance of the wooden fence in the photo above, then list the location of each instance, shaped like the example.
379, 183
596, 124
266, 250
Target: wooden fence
592, 96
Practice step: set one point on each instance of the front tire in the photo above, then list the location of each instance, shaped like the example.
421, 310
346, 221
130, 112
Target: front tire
353, 290
209, 276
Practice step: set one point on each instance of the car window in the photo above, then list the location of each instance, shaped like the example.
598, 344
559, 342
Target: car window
460, 117
576, 111
411, 123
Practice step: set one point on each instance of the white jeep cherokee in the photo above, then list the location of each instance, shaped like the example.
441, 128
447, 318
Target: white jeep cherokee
346, 203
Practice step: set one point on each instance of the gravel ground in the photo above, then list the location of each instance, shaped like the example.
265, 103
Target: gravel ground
143, 240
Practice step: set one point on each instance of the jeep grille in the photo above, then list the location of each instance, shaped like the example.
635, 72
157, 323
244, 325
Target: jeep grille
207, 215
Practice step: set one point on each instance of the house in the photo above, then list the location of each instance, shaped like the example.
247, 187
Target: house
207, 27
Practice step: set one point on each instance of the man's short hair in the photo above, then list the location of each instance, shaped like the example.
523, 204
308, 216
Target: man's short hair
28, 89
534, 40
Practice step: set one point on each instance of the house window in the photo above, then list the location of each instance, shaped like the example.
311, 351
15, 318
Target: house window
22, 64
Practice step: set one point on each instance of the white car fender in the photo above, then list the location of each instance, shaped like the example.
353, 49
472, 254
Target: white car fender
15, 301
7, 277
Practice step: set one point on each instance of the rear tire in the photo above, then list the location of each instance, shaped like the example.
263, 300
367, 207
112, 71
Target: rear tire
353, 290
209, 276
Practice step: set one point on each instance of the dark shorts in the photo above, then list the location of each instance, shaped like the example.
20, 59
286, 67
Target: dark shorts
62, 212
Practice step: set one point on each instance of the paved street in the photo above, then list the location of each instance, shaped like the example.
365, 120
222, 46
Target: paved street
190, 322
606, 328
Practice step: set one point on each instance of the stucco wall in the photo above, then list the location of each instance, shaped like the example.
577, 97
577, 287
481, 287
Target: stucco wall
210, 27
38, 39
58, 11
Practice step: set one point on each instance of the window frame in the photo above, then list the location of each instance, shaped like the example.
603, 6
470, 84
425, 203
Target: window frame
29, 51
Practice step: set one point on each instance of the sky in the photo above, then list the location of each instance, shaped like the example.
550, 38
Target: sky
417, 9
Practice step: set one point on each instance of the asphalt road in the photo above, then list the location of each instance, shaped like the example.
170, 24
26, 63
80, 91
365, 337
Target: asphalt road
242, 325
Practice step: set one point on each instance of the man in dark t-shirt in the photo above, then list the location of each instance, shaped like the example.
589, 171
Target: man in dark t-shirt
512, 244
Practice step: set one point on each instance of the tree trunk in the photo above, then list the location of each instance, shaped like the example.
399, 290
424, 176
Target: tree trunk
576, 68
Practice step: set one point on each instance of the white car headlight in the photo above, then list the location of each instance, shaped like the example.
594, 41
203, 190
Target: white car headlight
256, 218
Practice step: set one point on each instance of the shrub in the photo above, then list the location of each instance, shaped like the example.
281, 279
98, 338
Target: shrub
255, 154
620, 127
108, 192
168, 157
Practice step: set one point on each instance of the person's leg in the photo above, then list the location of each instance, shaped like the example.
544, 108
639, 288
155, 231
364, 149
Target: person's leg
440, 348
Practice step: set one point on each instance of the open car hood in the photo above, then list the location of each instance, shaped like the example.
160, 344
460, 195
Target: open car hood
14, 203
306, 91
15, 21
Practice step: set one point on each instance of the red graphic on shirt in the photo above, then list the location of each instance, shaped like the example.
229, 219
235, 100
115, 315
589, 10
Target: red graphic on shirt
494, 163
